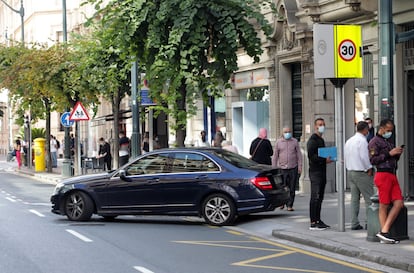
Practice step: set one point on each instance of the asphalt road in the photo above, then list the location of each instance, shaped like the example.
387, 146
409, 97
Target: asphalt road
35, 240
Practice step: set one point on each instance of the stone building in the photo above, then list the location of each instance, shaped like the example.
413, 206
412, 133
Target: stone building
296, 98
281, 89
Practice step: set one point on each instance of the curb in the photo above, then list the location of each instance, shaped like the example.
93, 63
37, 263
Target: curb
347, 250
45, 177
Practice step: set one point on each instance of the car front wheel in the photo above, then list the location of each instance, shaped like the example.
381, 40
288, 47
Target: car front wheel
78, 206
218, 210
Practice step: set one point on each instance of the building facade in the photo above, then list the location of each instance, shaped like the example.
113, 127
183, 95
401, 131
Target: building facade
281, 89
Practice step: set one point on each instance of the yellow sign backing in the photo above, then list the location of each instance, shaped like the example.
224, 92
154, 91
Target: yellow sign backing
348, 51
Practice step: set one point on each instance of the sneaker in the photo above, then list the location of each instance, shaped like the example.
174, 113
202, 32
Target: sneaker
389, 243
358, 227
317, 226
321, 223
385, 238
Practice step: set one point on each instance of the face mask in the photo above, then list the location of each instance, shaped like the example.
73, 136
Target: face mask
369, 125
287, 135
387, 135
321, 129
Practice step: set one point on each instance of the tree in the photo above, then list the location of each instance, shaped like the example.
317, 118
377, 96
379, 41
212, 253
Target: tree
188, 47
102, 69
39, 78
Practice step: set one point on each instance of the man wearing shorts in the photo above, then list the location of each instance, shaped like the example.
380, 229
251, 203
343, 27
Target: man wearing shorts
385, 156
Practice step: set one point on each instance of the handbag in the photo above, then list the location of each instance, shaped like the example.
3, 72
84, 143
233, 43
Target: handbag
13, 153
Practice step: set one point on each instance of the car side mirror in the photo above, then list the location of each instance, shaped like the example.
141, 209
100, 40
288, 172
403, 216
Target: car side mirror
123, 176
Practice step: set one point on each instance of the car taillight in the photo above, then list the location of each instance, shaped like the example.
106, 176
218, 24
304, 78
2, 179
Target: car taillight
262, 183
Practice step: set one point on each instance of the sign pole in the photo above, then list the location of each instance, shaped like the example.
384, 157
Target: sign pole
338, 57
340, 143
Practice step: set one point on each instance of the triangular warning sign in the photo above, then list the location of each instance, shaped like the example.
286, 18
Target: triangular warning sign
79, 113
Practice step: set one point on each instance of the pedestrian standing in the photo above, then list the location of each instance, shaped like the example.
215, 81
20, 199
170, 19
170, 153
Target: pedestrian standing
145, 146
288, 158
123, 148
53, 151
371, 131
317, 175
218, 139
203, 141
105, 153
17, 151
384, 156
359, 170
261, 149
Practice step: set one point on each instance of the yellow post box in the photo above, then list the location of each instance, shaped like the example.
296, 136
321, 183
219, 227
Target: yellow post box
40, 154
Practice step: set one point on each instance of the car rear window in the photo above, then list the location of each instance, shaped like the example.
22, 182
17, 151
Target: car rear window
235, 159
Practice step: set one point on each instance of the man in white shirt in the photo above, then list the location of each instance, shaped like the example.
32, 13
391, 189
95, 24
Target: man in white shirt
359, 170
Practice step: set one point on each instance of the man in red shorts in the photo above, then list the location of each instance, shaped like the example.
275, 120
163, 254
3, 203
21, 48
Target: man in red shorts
384, 156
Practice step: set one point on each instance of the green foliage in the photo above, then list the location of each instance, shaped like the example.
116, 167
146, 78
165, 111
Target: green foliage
38, 133
187, 47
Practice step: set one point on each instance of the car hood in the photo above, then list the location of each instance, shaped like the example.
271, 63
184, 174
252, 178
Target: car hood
84, 178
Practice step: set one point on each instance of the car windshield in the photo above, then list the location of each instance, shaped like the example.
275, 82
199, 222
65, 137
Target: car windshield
235, 159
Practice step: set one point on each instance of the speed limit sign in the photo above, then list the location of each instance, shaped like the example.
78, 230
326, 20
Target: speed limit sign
347, 50
337, 51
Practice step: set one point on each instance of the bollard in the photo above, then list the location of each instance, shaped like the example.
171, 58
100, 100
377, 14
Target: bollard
398, 229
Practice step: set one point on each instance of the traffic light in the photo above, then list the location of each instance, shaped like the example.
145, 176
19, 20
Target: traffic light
26, 121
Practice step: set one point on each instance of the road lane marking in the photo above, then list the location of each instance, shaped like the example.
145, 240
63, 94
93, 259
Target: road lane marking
11, 199
234, 232
142, 269
282, 250
79, 236
36, 212
319, 256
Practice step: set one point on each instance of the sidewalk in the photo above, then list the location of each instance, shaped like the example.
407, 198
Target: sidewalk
351, 243
294, 226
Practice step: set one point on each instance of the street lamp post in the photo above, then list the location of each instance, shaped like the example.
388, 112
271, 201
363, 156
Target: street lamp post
20, 12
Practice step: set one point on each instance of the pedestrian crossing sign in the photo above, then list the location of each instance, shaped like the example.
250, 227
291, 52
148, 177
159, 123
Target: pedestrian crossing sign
79, 113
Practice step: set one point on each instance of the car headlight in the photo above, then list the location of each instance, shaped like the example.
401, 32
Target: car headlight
58, 187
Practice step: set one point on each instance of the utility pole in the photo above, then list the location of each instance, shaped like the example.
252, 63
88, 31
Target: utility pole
66, 164
386, 61
21, 13
135, 138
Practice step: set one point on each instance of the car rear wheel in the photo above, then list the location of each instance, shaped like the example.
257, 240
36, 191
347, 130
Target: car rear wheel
78, 206
219, 210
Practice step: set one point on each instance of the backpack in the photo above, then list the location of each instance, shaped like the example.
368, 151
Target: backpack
57, 144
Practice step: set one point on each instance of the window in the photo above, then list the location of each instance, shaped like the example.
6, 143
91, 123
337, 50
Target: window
151, 164
296, 100
191, 162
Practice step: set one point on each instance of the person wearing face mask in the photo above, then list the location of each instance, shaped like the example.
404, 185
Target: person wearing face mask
317, 175
384, 156
359, 171
288, 157
371, 130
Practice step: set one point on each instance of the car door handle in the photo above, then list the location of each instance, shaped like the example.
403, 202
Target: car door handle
153, 180
99, 185
204, 176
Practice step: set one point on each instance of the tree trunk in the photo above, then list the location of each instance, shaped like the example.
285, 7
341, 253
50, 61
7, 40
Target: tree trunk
181, 132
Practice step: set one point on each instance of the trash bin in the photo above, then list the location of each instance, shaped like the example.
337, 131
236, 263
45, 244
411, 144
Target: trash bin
398, 230
40, 154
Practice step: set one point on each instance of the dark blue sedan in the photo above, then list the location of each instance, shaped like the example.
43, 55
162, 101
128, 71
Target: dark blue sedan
215, 184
